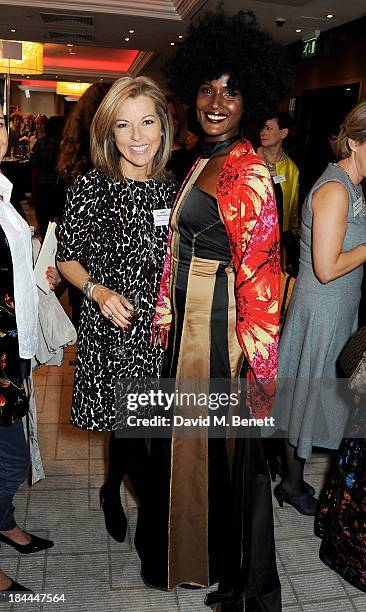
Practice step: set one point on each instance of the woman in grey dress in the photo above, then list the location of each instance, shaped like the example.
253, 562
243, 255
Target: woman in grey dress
322, 313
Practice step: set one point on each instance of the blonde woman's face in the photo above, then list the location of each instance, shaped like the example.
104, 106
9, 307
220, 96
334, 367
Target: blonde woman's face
3, 137
137, 134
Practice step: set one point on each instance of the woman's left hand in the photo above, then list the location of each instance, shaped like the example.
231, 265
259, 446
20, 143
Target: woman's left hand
53, 277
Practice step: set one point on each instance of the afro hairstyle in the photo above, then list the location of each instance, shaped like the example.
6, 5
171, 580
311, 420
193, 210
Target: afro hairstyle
235, 45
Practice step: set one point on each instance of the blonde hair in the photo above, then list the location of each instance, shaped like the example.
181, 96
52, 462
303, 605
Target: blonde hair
104, 153
353, 127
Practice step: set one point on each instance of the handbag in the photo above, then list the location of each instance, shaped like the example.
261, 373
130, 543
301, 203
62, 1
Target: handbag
55, 330
353, 362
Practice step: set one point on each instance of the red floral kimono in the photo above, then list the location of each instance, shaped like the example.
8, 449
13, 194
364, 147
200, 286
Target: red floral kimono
247, 204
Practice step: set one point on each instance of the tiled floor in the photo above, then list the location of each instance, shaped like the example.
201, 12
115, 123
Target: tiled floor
97, 574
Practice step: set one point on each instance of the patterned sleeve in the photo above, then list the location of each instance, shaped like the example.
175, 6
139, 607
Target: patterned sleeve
250, 215
73, 232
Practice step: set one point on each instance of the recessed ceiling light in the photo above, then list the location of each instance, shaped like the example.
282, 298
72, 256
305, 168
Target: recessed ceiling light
127, 39
180, 36
348, 89
131, 31
172, 44
330, 16
70, 44
299, 30
13, 30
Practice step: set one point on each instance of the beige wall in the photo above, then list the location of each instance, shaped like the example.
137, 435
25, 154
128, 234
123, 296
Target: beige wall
39, 102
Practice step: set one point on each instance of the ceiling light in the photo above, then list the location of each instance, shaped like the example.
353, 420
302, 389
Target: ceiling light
28, 76
330, 16
131, 31
71, 89
31, 61
348, 89
298, 30
127, 39
13, 30
180, 36
72, 52
172, 44
70, 44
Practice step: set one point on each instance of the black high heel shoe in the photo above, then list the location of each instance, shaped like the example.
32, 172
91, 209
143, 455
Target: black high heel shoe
35, 545
275, 467
305, 503
114, 515
14, 587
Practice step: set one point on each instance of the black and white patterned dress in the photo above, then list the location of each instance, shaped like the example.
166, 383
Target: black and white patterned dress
108, 226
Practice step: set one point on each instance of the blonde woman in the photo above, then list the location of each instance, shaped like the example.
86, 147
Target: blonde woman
111, 248
323, 311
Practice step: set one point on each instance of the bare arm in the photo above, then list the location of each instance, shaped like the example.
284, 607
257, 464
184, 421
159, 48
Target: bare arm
109, 302
330, 211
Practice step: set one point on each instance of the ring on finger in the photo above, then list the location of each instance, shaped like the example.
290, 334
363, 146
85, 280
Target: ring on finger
111, 317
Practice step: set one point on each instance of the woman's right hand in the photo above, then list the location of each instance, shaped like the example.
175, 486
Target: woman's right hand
111, 306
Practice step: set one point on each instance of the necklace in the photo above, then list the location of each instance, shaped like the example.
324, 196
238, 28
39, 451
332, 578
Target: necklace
272, 165
357, 189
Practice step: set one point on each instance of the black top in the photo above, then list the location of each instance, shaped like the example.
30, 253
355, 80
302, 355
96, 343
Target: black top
279, 203
180, 162
202, 233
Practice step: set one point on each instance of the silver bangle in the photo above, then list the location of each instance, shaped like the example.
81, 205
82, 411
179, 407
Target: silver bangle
88, 287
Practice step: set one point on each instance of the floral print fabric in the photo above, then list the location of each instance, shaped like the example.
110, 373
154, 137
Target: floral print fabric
13, 400
341, 518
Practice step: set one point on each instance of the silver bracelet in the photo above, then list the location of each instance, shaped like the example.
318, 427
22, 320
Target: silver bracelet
88, 287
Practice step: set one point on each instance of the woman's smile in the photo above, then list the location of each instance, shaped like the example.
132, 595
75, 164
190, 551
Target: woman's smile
215, 117
139, 148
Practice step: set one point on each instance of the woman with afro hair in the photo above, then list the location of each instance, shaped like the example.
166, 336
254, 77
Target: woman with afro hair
208, 516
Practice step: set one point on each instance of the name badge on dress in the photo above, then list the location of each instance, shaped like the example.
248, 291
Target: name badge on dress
279, 178
357, 207
161, 216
